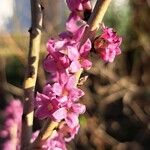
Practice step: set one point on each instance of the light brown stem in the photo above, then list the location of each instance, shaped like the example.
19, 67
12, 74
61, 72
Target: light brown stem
98, 14
94, 21
31, 72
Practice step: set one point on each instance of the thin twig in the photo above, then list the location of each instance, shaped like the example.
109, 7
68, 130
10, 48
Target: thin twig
13, 89
31, 72
94, 21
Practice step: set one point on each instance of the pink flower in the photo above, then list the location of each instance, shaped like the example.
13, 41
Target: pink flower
81, 61
73, 35
78, 5
57, 67
55, 142
58, 101
14, 110
107, 45
10, 145
74, 22
67, 132
70, 90
54, 98
49, 107
73, 113
64, 54
11, 129
78, 58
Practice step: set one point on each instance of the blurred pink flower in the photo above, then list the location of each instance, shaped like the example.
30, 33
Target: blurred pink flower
11, 128
55, 142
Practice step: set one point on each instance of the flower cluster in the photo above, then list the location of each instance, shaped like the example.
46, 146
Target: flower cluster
10, 132
59, 98
66, 57
107, 44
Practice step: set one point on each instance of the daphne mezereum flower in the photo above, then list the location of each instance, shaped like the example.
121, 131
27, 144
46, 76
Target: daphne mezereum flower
67, 132
48, 107
64, 55
55, 142
107, 44
54, 100
78, 5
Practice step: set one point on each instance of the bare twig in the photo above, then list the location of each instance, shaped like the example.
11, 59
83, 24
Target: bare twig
31, 72
94, 21
13, 89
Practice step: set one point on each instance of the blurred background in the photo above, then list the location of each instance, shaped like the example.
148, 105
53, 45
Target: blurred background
117, 94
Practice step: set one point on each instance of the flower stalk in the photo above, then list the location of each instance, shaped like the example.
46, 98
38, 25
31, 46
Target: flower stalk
93, 22
95, 19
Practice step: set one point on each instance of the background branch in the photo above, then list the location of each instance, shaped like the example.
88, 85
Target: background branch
31, 71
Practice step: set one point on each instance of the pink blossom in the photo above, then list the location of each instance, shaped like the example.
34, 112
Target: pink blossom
67, 132
64, 54
10, 131
53, 104
78, 5
55, 142
73, 113
57, 67
74, 22
10, 145
70, 90
14, 110
73, 36
48, 107
78, 58
81, 61
107, 45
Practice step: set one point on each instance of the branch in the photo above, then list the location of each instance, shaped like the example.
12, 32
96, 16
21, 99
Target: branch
31, 71
94, 21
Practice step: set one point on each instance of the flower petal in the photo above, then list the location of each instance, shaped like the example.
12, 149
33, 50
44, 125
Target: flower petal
78, 108
72, 120
59, 114
75, 66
